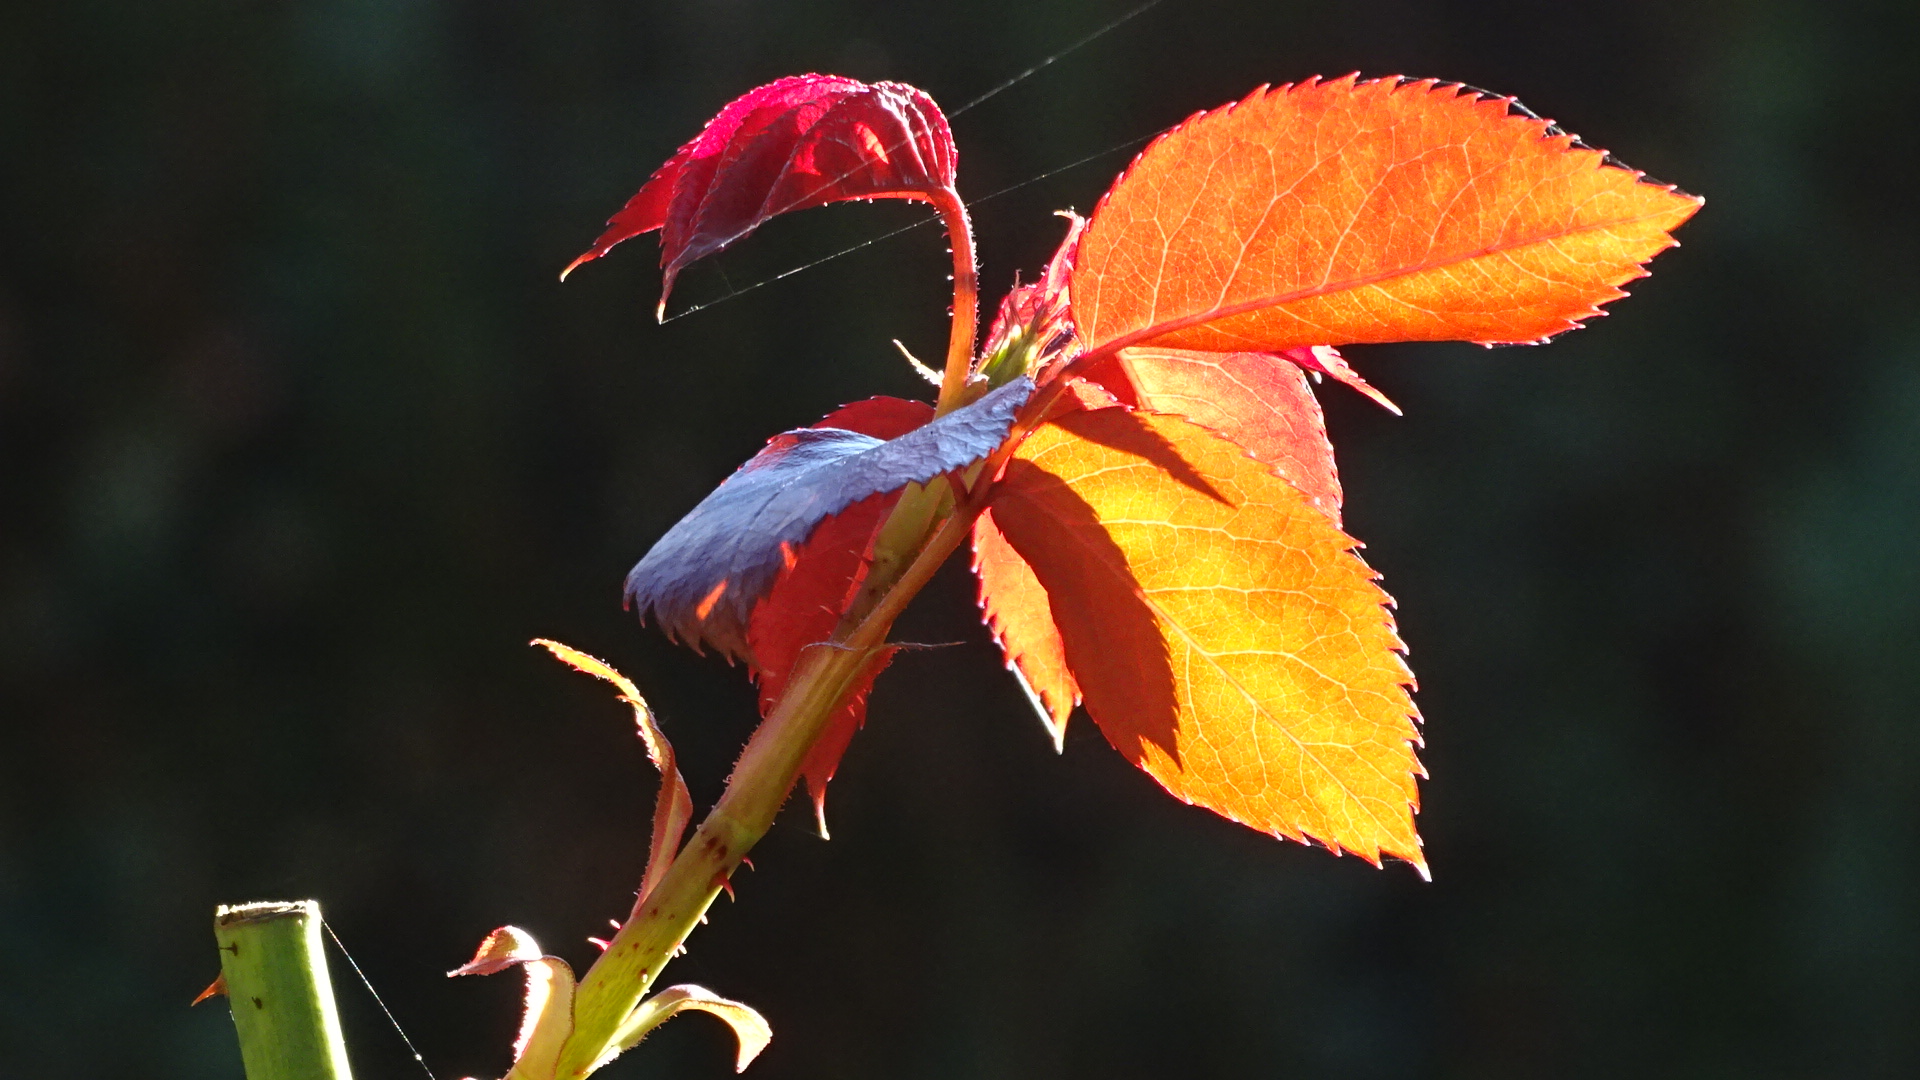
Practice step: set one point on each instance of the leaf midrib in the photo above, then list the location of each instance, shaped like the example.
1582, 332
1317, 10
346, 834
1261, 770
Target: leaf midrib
1147, 334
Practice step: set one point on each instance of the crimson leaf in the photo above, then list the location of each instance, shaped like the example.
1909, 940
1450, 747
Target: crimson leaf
703, 578
804, 604
804, 141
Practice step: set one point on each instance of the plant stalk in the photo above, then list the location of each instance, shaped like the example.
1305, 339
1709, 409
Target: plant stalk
912, 544
277, 985
761, 781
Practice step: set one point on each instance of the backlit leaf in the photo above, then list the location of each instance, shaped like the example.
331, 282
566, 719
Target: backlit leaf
1332, 212
803, 141
806, 601
1261, 403
880, 417
546, 1021
802, 609
750, 1030
1015, 606
703, 578
1327, 360
1034, 324
1224, 634
673, 806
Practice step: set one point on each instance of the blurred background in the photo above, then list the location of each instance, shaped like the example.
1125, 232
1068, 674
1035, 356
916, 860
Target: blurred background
301, 441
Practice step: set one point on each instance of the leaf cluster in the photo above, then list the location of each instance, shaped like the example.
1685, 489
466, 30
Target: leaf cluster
1135, 453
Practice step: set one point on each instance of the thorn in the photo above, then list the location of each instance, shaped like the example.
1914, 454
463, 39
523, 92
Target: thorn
216, 988
746, 862
601, 942
726, 884
615, 923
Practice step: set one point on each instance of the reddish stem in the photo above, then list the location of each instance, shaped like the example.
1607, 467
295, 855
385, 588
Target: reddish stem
966, 299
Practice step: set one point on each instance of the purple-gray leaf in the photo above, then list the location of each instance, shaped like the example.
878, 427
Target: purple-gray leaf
703, 578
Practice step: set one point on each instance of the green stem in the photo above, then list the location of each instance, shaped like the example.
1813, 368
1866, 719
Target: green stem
277, 985
917, 537
761, 782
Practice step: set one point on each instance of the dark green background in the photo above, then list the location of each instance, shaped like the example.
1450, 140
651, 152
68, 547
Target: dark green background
300, 441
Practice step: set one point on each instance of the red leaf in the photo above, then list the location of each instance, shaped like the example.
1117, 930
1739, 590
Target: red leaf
1034, 325
804, 141
1327, 360
880, 417
703, 578
803, 608
1260, 402
824, 574
1332, 212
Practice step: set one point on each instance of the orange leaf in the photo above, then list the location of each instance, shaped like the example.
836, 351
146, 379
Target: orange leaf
1262, 403
1327, 360
1014, 604
1332, 212
1226, 637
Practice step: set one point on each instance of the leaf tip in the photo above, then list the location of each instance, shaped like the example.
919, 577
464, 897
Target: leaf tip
1056, 727
500, 950
1326, 360
585, 257
1368, 391
820, 813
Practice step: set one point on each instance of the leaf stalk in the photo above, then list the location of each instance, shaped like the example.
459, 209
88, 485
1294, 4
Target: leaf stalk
966, 300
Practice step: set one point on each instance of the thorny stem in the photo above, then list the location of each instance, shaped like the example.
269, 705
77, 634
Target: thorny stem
275, 972
770, 764
913, 544
761, 781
